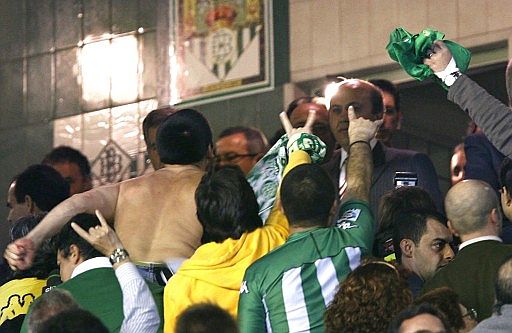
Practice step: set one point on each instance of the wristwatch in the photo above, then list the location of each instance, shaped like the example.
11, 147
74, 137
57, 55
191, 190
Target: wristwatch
118, 255
451, 78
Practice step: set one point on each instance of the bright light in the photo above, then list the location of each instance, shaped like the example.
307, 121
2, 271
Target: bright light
174, 70
330, 91
110, 66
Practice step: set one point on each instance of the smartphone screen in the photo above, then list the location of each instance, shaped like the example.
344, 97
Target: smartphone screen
403, 178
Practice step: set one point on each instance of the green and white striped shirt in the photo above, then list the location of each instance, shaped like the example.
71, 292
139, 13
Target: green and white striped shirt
289, 289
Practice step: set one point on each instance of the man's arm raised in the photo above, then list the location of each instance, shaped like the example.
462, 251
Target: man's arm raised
20, 253
360, 163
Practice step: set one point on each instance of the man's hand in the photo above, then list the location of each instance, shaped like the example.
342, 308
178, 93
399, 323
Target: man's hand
103, 238
361, 129
439, 57
20, 254
308, 127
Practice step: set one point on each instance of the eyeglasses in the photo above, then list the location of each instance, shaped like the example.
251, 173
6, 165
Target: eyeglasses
230, 157
471, 314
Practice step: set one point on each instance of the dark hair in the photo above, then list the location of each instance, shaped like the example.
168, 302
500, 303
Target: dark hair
256, 141
413, 311
43, 184
155, 118
412, 224
76, 321
67, 236
205, 318
307, 195
367, 300
296, 102
226, 204
183, 138
66, 154
377, 100
388, 87
391, 205
506, 174
45, 260
48, 305
447, 302
503, 285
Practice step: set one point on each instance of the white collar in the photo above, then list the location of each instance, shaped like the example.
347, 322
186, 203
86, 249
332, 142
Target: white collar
479, 239
97, 262
344, 153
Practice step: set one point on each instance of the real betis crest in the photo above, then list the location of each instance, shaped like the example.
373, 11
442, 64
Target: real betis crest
222, 46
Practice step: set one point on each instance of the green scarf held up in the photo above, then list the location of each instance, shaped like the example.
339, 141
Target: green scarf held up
409, 51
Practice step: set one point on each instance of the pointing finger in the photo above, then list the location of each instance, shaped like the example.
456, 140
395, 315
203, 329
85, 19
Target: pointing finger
101, 218
81, 232
311, 120
351, 113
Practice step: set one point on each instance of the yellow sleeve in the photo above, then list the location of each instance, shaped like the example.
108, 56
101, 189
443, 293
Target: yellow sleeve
276, 216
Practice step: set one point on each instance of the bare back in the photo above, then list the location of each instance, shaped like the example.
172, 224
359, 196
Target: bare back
155, 214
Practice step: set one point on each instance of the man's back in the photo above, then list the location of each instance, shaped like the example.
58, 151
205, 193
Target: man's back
472, 274
294, 284
156, 214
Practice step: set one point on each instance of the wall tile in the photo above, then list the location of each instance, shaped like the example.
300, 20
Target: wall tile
96, 17
12, 30
499, 15
383, 19
412, 15
445, 20
39, 88
39, 31
148, 13
149, 61
11, 94
68, 22
124, 16
67, 95
325, 29
472, 16
355, 32
300, 36
38, 142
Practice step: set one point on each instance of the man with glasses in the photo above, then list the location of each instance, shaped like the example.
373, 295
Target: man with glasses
242, 146
392, 116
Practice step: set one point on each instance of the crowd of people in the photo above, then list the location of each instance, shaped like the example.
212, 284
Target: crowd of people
315, 231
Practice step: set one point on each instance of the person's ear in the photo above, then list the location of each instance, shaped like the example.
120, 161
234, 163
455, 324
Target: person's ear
30, 204
452, 229
506, 195
406, 246
74, 254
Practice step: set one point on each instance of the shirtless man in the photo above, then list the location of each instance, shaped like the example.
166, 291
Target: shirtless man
155, 214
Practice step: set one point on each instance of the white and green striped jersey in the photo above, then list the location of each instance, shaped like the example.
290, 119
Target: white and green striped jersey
289, 289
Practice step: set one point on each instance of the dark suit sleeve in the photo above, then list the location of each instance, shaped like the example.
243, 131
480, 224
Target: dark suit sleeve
490, 114
427, 178
483, 160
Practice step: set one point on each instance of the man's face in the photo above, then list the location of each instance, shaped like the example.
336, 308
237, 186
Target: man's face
321, 128
66, 266
391, 118
358, 94
151, 149
71, 173
16, 210
232, 150
433, 250
457, 164
424, 322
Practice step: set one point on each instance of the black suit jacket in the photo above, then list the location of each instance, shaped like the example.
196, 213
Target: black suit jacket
387, 161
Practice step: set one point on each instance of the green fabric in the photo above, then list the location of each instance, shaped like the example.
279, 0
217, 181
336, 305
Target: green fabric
265, 176
409, 51
283, 288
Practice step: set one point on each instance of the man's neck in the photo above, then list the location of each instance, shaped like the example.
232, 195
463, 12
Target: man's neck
201, 165
476, 234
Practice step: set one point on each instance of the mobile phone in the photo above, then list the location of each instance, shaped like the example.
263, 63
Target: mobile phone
404, 178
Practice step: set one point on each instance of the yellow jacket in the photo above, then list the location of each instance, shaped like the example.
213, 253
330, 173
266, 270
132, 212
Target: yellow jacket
215, 272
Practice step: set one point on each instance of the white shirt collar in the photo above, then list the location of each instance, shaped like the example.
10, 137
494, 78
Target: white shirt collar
344, 153
479, 239
97, 262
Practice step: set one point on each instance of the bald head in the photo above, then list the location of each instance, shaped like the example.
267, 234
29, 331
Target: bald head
504, 283
468, 205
